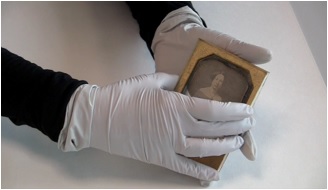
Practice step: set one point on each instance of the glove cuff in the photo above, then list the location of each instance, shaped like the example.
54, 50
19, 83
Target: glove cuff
76, 132
182, 15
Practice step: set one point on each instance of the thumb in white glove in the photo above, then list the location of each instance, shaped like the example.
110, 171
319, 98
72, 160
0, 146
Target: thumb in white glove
141, 118
176, 38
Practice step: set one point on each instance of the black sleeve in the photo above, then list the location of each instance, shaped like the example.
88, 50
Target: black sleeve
34, 96
149, 15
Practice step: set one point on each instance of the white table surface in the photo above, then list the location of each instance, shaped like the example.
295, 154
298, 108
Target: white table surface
99, 42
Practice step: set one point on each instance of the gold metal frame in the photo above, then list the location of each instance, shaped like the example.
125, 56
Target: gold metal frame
257, 77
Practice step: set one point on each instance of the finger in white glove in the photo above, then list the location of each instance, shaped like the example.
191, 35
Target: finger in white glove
204, 183
249, 146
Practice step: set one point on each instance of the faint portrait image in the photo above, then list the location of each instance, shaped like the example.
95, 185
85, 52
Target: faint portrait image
212, 92
218, 80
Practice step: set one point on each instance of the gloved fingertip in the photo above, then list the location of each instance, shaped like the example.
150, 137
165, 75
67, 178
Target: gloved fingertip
253, 155
204, 183
253, 158
249, 148
264, 56
269, 55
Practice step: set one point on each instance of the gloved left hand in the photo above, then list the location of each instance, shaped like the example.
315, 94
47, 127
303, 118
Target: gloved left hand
142, 118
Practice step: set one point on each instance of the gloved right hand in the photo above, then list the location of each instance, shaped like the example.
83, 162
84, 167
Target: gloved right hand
142, 118
176, 38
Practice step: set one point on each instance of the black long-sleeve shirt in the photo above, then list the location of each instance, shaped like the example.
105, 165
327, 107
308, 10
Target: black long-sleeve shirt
38, 97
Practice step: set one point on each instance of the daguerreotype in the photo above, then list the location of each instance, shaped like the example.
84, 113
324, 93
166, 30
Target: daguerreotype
215, 74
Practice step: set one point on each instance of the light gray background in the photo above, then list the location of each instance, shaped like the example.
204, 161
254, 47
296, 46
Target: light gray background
312, 17
99, 42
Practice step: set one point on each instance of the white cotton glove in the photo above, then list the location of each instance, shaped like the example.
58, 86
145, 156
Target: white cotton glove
176, 38
142, 118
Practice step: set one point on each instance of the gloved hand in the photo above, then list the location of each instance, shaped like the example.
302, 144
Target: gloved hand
176, 38
142, 118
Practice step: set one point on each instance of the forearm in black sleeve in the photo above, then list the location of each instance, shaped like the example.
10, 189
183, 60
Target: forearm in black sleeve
149, 15
35, 96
